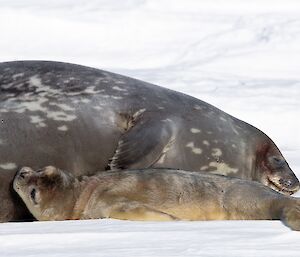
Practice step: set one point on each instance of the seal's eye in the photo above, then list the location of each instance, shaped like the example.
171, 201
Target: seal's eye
276, 159
32, 195
277, 162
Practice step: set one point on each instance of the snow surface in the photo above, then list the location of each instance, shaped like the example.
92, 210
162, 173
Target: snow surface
241, 56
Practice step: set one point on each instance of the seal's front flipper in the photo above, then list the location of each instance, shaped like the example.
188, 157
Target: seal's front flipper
139, 212
143, 144
291, 216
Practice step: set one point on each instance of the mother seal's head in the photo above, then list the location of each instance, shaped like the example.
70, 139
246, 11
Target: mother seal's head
46, 192
273, 171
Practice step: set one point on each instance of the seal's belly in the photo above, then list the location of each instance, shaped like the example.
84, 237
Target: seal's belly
195, 212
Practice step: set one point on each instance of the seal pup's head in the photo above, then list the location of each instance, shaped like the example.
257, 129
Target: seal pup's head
48, 193
275, 172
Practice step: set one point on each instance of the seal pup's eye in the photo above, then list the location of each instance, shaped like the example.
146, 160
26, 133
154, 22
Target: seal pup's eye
33, 195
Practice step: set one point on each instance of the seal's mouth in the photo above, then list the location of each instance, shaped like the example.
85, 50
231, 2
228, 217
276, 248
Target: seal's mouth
275, 185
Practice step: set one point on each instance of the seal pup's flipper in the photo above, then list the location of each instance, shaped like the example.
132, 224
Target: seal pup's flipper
140, 212
291, 216
143, 144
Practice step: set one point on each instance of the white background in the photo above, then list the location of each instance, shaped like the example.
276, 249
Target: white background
241, 56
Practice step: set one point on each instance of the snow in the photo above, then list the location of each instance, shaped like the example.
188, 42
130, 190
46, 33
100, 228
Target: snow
125, 238
241, 56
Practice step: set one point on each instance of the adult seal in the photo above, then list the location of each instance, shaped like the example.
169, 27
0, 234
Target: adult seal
85, 120
152, 194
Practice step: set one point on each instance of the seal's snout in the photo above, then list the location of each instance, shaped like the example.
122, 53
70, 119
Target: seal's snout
21, 177
290, 184
24, 172
284, 183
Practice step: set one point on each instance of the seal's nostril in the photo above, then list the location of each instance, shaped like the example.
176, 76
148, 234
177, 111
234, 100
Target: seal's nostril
286, 182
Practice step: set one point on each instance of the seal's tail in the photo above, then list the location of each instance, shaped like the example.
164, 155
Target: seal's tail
291, 216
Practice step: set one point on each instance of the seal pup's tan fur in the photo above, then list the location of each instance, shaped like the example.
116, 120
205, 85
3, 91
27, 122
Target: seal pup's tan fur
53, 194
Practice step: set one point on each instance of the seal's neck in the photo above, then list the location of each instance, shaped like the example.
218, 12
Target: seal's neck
87, 187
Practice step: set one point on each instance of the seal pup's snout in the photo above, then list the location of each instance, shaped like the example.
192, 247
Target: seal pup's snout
24, 172
21, 178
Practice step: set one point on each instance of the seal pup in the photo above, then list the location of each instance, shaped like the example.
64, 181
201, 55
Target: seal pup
85, 120
152, 194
